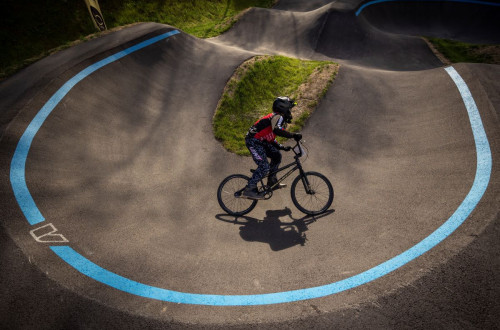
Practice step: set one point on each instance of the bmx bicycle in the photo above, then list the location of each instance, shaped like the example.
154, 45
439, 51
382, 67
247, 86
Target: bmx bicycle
311, 192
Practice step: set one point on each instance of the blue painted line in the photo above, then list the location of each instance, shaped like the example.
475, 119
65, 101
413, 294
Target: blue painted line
85, 266
460, 1
18, 163
483, 173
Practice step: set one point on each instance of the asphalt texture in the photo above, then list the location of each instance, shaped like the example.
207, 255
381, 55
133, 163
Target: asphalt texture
126, 168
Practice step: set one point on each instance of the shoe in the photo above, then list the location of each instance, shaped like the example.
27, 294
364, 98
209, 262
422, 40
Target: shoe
272, 181
252, 193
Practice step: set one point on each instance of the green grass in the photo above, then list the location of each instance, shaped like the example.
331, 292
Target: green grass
251, 95
201, 18
456, 51
30, 29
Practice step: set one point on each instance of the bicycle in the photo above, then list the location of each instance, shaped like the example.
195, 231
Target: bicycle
313, 196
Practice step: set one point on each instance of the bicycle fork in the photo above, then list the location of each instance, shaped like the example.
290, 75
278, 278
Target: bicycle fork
305, 181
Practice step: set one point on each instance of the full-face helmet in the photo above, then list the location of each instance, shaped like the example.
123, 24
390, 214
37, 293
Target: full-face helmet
283, 105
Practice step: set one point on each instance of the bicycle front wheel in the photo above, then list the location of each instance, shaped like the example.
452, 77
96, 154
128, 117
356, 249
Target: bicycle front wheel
229, 193
312, 193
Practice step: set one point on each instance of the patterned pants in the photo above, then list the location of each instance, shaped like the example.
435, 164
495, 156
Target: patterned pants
260, 151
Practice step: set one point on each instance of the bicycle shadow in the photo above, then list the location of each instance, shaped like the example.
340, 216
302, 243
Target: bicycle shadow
278, 234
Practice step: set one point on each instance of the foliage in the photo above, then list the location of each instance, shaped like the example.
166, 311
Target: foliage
29, 29
456, 51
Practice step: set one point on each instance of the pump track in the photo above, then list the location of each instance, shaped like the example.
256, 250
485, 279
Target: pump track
110, 170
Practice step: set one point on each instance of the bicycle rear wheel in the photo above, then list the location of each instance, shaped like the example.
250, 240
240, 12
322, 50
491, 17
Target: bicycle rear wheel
229, 192
312, 194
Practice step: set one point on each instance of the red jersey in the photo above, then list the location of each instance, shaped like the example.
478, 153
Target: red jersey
264, 129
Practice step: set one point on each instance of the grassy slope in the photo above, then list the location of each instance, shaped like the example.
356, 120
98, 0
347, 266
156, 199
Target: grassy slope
251, 95
201, 18
456, 51
29, 29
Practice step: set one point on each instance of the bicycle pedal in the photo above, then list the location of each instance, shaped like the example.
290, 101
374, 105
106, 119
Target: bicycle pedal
258, 196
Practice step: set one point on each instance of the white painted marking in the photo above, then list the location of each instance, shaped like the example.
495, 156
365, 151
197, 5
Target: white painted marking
47, 234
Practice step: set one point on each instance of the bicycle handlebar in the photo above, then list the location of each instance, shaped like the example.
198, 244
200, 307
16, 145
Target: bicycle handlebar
299, 148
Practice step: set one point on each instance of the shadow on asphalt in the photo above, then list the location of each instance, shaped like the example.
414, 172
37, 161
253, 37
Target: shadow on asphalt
279, 234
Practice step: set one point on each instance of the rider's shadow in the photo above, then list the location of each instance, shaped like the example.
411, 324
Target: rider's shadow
279, 235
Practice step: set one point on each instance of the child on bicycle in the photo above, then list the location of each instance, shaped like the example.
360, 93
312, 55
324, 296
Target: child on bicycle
261, 141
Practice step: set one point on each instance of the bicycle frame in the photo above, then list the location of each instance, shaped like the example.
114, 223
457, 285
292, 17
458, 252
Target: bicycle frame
298, 166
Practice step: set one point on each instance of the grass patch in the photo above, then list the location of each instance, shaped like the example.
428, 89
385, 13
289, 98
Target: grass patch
34, 29
203, 19
251, 91
456, 51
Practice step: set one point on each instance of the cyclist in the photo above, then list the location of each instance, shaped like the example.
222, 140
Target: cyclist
261, 141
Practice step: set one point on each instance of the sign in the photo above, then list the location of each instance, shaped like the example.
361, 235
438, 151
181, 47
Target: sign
95, 13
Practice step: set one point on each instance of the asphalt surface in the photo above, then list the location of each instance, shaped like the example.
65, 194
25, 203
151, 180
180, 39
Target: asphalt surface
126, 169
